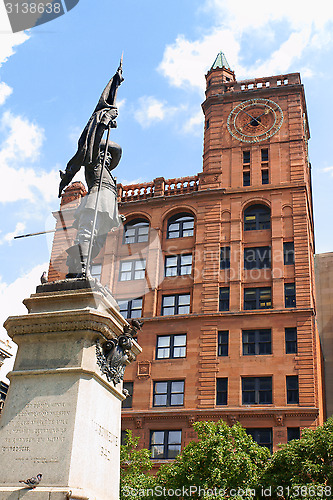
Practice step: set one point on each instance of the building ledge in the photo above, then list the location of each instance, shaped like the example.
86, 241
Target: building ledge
235, 412
260, 312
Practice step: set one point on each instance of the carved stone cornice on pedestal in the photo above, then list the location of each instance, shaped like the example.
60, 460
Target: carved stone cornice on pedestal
27, 327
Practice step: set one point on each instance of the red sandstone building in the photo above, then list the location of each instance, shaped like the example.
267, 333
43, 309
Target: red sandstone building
220, 266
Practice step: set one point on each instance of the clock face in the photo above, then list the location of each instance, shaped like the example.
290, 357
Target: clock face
255, 120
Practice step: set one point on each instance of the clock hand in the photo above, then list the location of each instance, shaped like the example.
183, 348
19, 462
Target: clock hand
248, 114
256, 119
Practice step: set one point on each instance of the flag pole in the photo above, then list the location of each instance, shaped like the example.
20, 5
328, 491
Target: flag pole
86, 272
91, 242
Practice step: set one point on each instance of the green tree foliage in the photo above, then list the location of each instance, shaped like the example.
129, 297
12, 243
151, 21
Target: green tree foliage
135, 465
305, 462
228, 464
225, 458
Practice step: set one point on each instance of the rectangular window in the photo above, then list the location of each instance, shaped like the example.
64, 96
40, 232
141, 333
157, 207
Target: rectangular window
262, 436
292, 389
130, 308
207, 124
221, 391
257, 342
168, 393
290, 295
123, 437
171, 346
165, 444
246, 178
257, 258
225, 258
288, 253
265, 176
180, 226
175, 304
293, 433
264, 155
256, 390
178, 265
132, 270
127, 403
136, 231
96, 271
291, 340
224, 299
223, 343
257, 298
257, 217
246, 157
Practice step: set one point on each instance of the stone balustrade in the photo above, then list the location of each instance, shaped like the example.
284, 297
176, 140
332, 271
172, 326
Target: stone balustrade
254, 84
158, 187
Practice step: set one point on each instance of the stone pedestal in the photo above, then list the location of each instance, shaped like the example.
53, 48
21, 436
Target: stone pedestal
62, 416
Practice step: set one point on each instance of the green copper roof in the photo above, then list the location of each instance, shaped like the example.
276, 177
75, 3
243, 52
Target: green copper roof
220, 61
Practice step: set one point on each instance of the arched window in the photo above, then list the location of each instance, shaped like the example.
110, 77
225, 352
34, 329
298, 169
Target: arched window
180, 226
136, 231
257, 217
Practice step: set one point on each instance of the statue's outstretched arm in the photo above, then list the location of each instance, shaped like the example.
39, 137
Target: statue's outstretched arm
66, 177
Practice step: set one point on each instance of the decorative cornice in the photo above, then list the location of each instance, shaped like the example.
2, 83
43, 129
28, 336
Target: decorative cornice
213, 315
64, 326
73, 370
232, 414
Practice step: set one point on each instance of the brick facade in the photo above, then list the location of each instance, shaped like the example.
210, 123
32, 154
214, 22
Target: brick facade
217, 199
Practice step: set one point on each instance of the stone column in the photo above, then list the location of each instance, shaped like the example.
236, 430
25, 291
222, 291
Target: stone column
62, 413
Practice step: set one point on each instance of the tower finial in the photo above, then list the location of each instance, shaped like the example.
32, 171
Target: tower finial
220, 61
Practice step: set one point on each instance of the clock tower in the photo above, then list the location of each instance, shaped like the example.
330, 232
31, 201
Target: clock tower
250, 116
256, 155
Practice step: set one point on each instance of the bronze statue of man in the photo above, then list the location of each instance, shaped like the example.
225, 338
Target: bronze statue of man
98, 209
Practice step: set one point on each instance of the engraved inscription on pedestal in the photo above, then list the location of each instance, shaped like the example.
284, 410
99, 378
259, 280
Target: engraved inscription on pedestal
105, 441
37, 427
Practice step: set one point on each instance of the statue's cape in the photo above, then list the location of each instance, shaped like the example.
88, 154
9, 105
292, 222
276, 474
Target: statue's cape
84, 154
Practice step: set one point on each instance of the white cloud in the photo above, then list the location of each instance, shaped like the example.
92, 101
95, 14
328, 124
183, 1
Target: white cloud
8, 40
5, 92
121, 104
328, 170
185, 63
244, 14
288, 52
24, 139
22, 145
151, 110
11, 296
8, 238
306, 25
194, 124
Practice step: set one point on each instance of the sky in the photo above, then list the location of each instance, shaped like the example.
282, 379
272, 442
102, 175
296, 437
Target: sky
51, 78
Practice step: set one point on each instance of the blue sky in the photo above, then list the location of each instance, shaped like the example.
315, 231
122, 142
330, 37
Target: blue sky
52, 76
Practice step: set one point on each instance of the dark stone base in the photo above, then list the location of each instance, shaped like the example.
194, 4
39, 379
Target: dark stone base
68, 284
77, 284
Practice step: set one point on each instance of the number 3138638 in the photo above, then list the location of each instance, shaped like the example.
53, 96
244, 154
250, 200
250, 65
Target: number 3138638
33, 8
